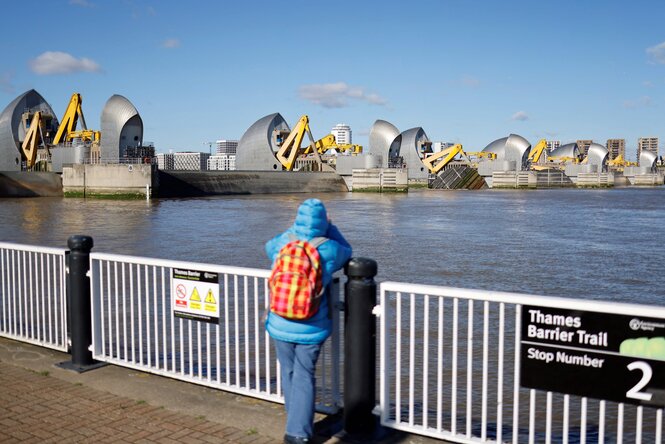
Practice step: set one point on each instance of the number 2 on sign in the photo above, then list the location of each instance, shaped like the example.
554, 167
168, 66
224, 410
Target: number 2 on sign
646, 377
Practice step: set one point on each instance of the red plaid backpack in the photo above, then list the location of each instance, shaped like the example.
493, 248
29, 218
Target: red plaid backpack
296, 285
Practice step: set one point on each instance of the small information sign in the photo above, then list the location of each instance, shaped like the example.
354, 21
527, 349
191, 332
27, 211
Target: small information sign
195, 295
606, 356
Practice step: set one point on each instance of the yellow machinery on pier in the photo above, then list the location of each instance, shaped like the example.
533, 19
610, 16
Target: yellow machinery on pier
34, 136
67, 130
537, 151
437, 161
290, 145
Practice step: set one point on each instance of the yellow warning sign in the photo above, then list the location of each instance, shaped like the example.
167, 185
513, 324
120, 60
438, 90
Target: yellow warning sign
195, 295
210, 298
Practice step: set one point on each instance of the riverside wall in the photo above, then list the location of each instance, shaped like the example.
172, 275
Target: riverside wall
136, 180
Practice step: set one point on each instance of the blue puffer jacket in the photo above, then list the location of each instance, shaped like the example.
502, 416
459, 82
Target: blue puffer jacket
311, 221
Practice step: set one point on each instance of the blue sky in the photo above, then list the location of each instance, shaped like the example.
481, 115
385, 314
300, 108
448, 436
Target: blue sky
466, 71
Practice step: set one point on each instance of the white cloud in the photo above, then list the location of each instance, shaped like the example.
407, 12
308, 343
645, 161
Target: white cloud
642, 102
171, 43
82, 3
337, 95
520, 115
6, 84
56, 62
647, 83
657, 53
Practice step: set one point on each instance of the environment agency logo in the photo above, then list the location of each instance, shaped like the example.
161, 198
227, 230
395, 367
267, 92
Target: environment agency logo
637, 324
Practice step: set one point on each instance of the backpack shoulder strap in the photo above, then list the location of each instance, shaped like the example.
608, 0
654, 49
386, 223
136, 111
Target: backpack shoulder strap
316, 242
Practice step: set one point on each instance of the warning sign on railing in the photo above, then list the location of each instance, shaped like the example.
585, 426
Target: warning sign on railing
600, 355
195, 295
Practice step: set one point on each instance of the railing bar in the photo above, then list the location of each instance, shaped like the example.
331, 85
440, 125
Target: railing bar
516, 382
453, 395
620, 424
499, 381
24, 299
165, 362
102, 318
398, 363
148, 321
566, 416
469, 367
117, 311
139, 297
155, 314
131, 310
601, 422
384, 399
532, 416
412, 353
266, 339
659, 425
583, 420
5, 293
257, 337
247, 343
15, 302
425, 361
208, 356
31, 296
124, 312
483, 409
42, 299
199, 356
175, 352
63, 302
548, 419
181, 346
226, 329
108, 308
236, 332
638, 425
190, 346
439, 369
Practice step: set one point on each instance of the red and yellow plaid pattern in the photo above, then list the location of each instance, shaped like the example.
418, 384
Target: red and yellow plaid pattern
295, 282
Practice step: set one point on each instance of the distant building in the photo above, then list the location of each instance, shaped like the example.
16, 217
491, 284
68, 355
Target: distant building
227, 146
222, 162
187, 161
440, 146
616, 148
552, 145
342, 133
647, 144
584, 145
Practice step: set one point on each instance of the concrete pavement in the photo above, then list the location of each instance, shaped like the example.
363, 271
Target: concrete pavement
40, 402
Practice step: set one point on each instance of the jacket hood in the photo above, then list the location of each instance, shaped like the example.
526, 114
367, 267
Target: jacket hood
311, 219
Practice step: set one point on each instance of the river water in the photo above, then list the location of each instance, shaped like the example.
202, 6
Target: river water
598, 244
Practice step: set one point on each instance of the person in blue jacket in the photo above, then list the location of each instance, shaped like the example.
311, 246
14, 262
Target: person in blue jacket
298, 343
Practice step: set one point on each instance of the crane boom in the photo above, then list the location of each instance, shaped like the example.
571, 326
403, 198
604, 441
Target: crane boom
33, 138
537, 151
437, 161
70, 119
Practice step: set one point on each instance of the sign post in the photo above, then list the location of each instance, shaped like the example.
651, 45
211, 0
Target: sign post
599, 355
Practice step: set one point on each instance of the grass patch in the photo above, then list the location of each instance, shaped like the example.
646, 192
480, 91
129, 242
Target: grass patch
109, 196
252, 431
140, 402
44, 373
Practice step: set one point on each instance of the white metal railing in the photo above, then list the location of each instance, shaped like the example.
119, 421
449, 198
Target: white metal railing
134, 326
33, 295
450, 369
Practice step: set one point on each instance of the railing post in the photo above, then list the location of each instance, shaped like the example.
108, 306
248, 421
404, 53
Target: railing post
359, 347
80, 317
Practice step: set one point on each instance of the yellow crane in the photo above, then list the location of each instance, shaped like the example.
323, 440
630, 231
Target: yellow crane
67, 129
291, 144
437, 161
33, 138
537, 151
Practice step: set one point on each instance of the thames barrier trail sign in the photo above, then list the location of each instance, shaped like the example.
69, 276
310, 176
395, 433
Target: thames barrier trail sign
195, 295
606, 356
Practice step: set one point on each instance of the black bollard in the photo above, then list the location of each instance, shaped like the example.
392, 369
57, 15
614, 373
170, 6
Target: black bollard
80, 320
359, 347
